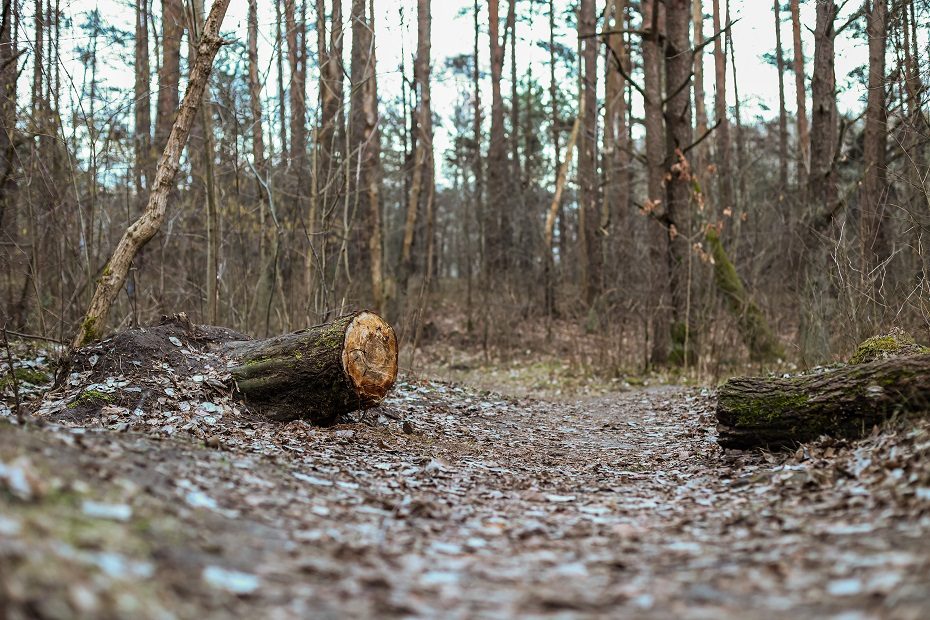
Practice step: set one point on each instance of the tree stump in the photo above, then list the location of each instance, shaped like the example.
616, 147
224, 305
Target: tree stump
317, 373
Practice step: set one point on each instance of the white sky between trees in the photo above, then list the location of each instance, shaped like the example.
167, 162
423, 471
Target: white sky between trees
753, 36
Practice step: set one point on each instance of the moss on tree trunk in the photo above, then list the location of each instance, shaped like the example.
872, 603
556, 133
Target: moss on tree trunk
752, 324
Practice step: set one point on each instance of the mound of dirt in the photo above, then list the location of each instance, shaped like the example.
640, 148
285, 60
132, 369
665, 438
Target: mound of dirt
172, 368
144, 348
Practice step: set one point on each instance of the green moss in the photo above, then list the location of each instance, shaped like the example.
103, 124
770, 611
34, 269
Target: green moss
89, 332
895, 343
24, 375
765, 409
31, 375
725, 275
753, 327
91, 398
680, 334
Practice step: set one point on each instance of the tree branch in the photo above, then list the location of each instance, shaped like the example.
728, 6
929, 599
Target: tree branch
852, 19
623, 72
702, 138
716, 36
680, 88
605, 33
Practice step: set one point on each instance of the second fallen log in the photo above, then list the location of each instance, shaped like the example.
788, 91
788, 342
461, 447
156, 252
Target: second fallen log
847, 402
317, 373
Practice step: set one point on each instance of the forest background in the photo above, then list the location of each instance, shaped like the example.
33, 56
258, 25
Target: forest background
682, 181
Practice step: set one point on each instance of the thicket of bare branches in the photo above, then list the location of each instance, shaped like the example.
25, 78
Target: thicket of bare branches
679, 230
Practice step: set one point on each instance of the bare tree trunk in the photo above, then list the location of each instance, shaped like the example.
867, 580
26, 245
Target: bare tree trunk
498, 229
700, 111
202, 155
300, 257
142, 132
265, 285
477, 164
421, 185
678, 66
654, 28
10, 256
738, 117
913, 140
255, 95
556, 161
589, 235
296, 61
724, 167
279, 60
561, 178
800, 88
873, 234
330, 135
616, 147
782, 113
168, 78
365, 140
816, 298
822, 182
143, 229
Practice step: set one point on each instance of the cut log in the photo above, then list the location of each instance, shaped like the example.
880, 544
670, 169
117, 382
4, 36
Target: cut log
846, 402
318, 373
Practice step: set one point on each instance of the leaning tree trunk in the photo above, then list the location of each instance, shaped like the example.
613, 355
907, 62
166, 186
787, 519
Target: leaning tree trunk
765, 412
144, 228
318, 373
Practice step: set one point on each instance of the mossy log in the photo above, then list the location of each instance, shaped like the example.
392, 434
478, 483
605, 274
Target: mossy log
847, 402
318, 373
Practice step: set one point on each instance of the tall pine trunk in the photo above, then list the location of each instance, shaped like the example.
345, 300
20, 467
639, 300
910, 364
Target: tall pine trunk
800, 88
873, 227
420, 196
724, 167
589, 233
782, 113
365, 144
678, 137
616, 144
653, 27
700, 110
172, 12
816, 298
142, 132
498, 219
822, 181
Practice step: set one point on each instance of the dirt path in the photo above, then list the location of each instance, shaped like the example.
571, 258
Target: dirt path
447, 503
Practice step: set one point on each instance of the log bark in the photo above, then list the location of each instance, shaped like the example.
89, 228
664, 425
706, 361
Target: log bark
319, 373
755, 412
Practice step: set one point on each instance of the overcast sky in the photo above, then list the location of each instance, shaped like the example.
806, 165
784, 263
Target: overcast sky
753, 37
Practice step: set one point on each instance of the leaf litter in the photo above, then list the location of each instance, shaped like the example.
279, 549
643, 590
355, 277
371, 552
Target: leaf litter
170, 499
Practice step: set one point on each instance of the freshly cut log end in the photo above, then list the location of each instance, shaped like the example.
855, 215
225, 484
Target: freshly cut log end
318, 373
369, 356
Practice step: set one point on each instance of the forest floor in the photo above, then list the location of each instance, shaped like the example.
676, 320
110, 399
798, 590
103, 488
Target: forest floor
452, 502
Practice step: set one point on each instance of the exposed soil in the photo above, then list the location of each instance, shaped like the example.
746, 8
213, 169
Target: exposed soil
448, 502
